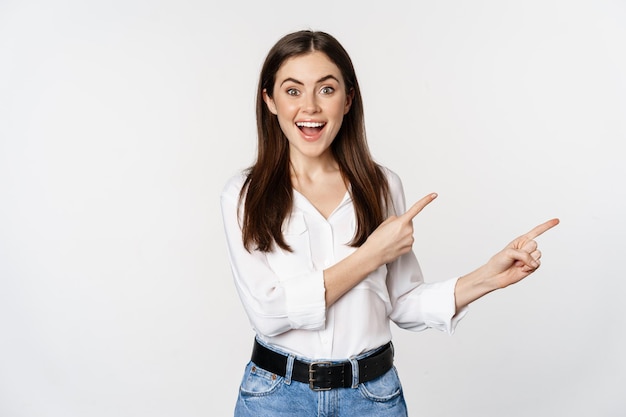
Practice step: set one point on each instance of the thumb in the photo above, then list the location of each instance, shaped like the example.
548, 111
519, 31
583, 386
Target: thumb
523, 257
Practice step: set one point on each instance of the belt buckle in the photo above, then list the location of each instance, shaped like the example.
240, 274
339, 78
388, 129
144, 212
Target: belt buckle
312, 379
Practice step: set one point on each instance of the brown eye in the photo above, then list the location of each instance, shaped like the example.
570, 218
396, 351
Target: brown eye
293, 92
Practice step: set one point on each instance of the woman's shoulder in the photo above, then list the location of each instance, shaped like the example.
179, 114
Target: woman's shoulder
393, 179
232, 187
396, 191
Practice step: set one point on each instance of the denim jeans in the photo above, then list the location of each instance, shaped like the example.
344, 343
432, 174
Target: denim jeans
265, 394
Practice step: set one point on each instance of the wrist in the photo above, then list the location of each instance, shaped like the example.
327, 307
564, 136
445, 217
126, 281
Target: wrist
474, 285
369, 257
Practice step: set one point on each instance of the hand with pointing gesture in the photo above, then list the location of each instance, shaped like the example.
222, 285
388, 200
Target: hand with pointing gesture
394, 236
519, 258
391, 239
512, 264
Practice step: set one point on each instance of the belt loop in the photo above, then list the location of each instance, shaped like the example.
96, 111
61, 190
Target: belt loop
355, 371
289, 370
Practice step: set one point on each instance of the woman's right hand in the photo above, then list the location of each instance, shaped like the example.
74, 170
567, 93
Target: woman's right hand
394, 236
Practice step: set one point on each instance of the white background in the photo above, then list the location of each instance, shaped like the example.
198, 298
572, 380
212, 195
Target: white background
121, 120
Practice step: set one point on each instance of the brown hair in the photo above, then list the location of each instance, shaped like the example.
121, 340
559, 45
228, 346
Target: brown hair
268, 192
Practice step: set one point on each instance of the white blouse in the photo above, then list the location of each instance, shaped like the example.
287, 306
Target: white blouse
283, 292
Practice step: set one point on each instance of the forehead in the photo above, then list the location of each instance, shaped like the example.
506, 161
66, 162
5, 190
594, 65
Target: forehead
309, 67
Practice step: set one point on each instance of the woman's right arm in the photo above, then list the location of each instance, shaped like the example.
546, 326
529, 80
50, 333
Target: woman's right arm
393, 238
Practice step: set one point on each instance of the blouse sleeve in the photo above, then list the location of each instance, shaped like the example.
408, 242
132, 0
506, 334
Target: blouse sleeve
417, 305
273, 304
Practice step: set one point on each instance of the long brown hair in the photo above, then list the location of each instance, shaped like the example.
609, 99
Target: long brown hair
268, 191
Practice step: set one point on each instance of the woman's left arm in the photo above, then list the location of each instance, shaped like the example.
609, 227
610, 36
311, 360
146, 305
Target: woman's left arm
512, 264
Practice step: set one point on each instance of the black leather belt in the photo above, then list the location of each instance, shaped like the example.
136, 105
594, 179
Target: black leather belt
324, 375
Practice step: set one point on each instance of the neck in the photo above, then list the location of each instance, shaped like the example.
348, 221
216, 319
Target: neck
304, 167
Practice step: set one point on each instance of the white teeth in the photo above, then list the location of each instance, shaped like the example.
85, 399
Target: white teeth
309, 124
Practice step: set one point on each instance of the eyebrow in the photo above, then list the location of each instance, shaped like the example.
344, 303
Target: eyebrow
321, 80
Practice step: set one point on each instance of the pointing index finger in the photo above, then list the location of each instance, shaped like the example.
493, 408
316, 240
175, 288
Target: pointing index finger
542, 228
415, 209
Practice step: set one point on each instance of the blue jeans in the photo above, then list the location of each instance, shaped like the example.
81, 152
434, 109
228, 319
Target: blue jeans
265, 394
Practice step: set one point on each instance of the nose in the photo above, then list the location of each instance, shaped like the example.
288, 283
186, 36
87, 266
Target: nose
310, 104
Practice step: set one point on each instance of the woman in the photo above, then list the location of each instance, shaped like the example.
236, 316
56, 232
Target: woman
320, 247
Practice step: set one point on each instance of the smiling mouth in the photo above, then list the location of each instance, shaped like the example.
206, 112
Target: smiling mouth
310, 128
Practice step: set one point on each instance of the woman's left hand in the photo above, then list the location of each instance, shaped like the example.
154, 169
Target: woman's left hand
519, 258
512, 264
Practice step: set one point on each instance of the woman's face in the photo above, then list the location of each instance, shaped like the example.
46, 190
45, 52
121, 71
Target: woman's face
310, 101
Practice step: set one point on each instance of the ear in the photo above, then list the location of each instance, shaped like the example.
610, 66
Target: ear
349, 98
269, 102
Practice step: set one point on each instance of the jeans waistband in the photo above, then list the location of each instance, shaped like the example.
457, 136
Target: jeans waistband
325, 375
